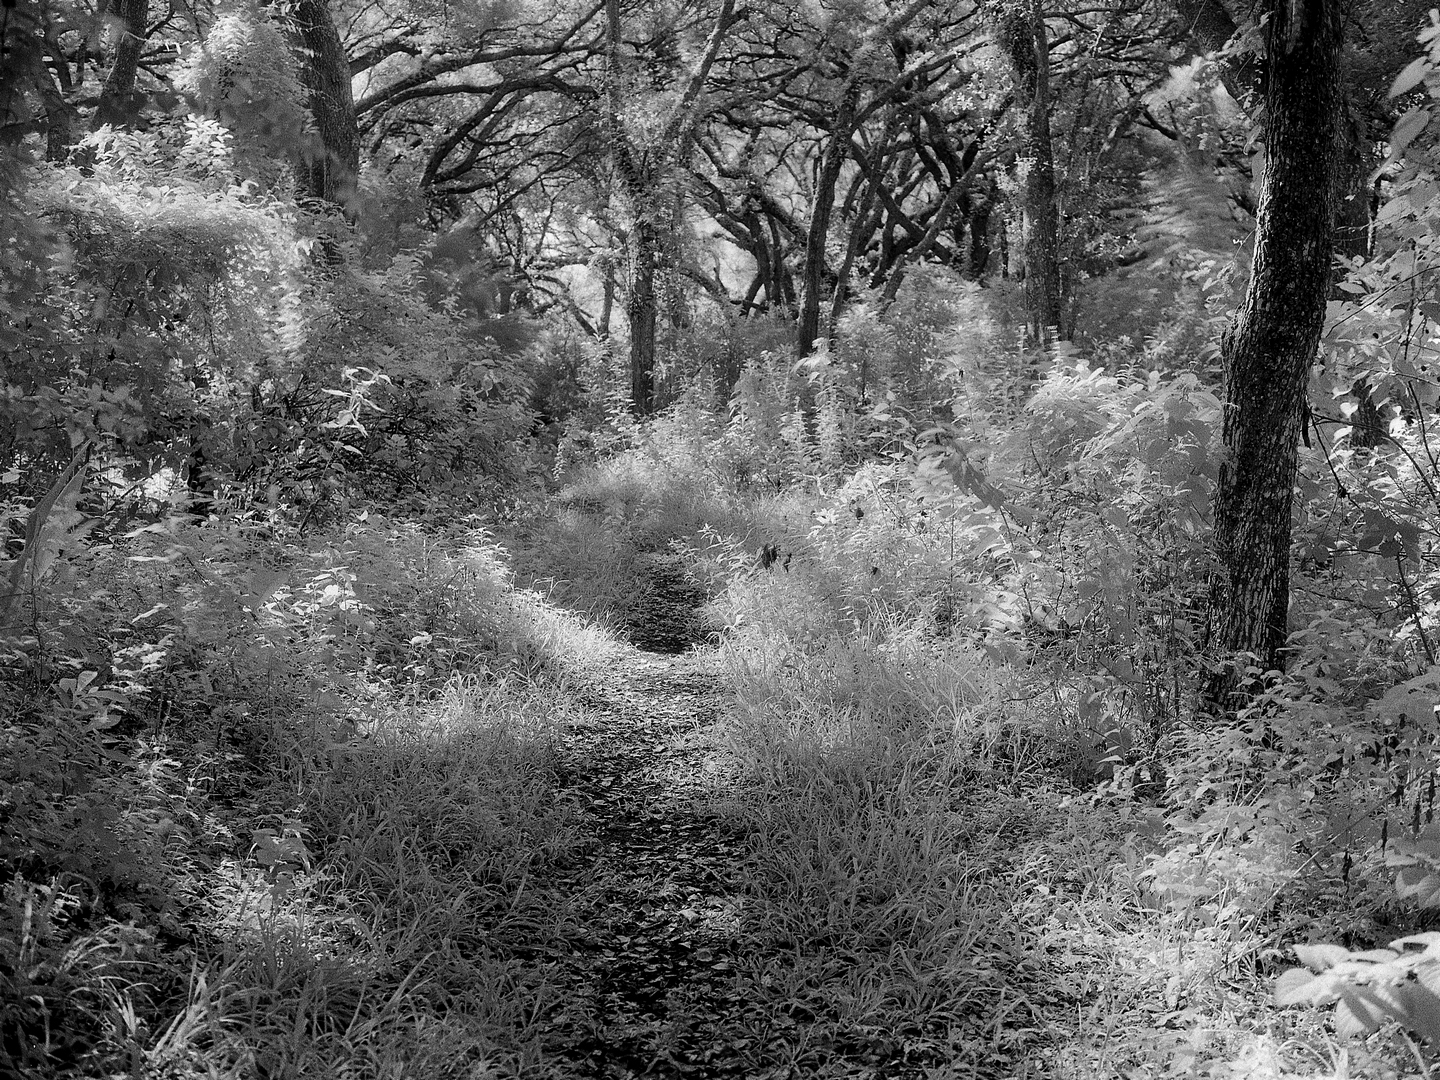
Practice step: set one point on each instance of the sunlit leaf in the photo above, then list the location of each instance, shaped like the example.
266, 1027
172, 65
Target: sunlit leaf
1411, 77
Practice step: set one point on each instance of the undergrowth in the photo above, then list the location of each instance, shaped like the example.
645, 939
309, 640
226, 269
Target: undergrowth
861, 793
283, 820
278, 802
388, 926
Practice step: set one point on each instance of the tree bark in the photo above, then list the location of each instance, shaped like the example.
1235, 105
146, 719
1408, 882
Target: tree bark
1357, 160
331, 174
864, 221
958, 192
641, 250
1026, 41
22, 67
1272, 342
641, 310
607, 304
1367, 424
836, 150
641, 171
978, 260
60, 118
821, 204
119, 105
1209, 27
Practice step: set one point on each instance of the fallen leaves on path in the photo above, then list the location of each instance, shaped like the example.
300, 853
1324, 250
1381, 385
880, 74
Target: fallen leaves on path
672, 972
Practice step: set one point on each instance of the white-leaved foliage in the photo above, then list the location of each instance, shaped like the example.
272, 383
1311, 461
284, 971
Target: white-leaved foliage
244, 75
186, 283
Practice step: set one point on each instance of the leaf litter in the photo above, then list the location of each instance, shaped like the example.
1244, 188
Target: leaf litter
672, 970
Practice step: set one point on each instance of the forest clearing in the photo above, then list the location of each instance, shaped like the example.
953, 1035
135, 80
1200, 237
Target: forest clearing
880, 539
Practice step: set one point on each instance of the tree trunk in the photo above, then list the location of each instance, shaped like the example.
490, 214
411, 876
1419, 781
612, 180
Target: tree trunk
863, 223
1357, 161
764, 276
331, 174
813, 283
640, 307
979, 224
947, 206
22, 67
60, 118
1367, 424
642, 171
1004, 237
777, 296
119, 105
1209, 27
642, 248
1027, 43
1272, 342
607, 303
837, 148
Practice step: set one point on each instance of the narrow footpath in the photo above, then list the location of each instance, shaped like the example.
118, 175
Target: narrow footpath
652, 981
670, 963
669, 969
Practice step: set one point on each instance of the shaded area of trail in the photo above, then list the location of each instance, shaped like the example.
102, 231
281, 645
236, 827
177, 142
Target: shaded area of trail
672, 970
652, 976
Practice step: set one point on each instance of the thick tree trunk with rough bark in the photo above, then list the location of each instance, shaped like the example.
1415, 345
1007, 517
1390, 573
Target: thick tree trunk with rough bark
119, 105
1272, 342
1021, 26
331, 174
1209, 27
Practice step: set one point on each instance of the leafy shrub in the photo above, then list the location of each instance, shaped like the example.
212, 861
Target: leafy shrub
244, 75
166, 694
1370, 988
765, 443
214, 355
428, 406
176, 271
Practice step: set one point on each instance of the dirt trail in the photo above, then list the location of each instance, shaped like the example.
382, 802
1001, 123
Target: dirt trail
650, 981
669, 969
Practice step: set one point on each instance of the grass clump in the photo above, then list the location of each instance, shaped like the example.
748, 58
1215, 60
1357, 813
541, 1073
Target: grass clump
860, 800
388, 924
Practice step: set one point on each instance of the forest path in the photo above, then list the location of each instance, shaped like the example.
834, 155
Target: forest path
670, 964
649, 984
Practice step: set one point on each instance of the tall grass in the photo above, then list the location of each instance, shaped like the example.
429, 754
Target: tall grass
283, 807
861, 792
396, 938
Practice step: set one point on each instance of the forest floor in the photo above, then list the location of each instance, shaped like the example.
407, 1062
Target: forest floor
748, 861
679, 967
675, 972
651, 983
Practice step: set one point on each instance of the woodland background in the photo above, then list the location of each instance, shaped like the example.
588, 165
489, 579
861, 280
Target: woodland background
373, 375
